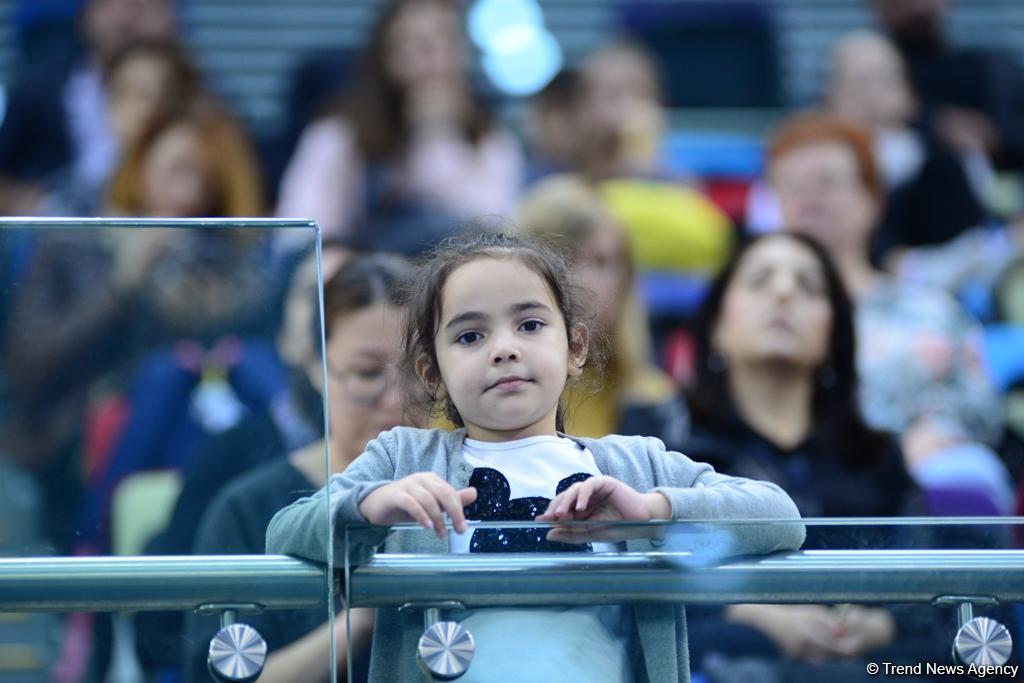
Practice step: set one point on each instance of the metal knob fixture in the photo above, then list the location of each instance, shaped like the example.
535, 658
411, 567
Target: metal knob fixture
445, 650
983, 642
237, 654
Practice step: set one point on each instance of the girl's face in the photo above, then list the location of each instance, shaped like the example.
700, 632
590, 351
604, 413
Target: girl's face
600, 268
423, 43
362, 354
141, 86
776, 309
502, 349
175, 175
821, 194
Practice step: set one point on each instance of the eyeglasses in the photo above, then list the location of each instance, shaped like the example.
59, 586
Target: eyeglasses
364, 386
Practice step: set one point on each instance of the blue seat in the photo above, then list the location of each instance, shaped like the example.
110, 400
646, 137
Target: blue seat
1003, 352
713, 154
672, 294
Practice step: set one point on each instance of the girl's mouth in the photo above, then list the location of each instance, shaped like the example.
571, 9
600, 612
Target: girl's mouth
509, 383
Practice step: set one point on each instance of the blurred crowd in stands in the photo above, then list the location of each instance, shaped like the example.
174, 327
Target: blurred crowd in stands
846, 320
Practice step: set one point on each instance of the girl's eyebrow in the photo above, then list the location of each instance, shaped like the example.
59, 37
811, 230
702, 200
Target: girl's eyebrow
477, 316
527, 305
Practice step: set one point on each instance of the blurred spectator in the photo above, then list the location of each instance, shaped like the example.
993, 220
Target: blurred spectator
632, 396
315, 84
919, 356
292, 420
620, 123
145, 81
775, 384
973, 99
411, 152
929, 199
190, 163
621, 120
144, 288
775, 396
56, 117
363, 319
551, 127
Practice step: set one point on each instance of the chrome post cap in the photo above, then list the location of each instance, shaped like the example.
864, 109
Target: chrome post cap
445, 650
983, 642
237, 654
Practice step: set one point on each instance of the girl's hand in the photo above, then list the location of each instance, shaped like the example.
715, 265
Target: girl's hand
601, 498
420, 498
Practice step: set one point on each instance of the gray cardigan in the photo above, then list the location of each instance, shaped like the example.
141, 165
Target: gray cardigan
694, 490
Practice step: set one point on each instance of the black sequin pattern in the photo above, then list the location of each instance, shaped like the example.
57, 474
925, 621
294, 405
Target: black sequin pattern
494, 504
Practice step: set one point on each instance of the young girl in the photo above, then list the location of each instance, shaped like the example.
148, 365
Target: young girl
493, 337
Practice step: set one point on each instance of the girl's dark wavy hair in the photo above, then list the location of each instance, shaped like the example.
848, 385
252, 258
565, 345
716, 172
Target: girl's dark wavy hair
839, 426
423, 311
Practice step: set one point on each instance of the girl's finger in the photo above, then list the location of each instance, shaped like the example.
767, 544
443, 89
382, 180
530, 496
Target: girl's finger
562, 503
410, 506
429, 503
549, 511
448, 498
586, 488
467, 495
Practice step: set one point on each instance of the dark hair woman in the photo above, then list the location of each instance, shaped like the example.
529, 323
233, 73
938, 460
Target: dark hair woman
410, 152
775, 396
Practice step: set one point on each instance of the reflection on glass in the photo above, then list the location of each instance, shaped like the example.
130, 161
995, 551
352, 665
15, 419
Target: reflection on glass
155, 375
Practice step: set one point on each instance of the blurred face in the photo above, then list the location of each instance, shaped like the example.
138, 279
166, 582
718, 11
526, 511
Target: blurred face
776, 309
176, 176
821, 194
600, 268
111, 24
140, 87
362, 354
869, 84
294, 342
618, 87
552, 132
424, 43
502, 350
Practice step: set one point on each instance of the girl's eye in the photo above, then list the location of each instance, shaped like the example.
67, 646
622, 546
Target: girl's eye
531, 326
468, 338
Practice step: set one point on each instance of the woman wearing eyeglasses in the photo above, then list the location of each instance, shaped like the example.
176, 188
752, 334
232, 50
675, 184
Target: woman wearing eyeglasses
363, 325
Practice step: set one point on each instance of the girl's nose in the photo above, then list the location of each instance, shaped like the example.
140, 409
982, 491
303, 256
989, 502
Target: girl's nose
500, 356
504, 349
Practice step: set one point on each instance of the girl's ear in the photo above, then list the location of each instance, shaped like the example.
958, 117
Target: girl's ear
426, 370
579, 343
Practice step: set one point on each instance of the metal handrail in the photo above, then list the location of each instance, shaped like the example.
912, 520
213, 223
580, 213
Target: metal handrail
93, 223
277, 582
116, 584
864, 576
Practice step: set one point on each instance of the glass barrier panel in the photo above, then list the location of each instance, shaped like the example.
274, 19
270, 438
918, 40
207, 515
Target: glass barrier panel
158, 396
771, 600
